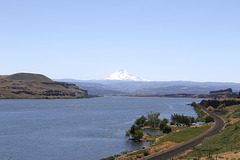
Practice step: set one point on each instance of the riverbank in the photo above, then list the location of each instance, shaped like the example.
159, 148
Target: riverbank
163, 142
183, 136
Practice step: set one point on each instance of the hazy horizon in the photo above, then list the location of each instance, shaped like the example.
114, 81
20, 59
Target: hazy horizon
156, 40
103, 79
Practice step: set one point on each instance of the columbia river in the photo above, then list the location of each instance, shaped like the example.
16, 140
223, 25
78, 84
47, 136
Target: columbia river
73, 129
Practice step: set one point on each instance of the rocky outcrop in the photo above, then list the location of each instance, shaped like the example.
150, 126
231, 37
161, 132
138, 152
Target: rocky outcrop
217, 102
229, 90
64, 84
57, 93
32, 86
225, 93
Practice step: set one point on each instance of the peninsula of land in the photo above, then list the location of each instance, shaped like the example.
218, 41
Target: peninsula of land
224, 93
37, 86
191, 142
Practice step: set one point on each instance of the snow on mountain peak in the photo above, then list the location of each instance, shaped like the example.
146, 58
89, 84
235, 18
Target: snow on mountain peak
124, 75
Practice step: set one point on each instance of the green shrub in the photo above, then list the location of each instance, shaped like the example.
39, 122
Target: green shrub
127, 133
117, 155
209, 119
108, 158
138, 135
124, 152
167, 129
163, 123
193, 104
133, 129
145, 153
141, 121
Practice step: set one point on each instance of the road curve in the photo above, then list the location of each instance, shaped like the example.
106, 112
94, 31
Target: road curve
177, 150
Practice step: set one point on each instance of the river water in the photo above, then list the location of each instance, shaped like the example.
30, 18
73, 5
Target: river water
77, 129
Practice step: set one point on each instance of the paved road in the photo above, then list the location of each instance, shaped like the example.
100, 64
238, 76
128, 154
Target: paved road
177, 150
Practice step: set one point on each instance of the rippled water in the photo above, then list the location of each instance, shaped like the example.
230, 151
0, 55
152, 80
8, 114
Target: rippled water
82, 129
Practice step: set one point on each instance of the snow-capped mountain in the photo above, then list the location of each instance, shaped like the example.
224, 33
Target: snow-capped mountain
124, 75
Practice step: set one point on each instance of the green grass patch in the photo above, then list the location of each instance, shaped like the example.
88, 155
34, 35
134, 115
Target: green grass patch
183, 135
201, 115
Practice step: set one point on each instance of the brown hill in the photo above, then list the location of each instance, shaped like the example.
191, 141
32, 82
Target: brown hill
28, 77
27, 85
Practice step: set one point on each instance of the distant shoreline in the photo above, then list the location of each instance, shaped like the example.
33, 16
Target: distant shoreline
227, 93
169, 95
50, 98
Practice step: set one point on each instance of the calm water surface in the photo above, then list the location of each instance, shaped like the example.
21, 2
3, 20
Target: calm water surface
82, 129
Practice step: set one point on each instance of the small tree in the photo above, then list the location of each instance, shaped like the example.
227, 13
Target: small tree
133, 129
138, 134
193, 104
163, 123
165, 120
152, 119
167, 129
187, 121
192, 119
209, 119
127, 133
141, 121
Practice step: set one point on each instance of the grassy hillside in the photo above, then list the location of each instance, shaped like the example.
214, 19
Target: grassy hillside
29, 77
26, 85
226, 140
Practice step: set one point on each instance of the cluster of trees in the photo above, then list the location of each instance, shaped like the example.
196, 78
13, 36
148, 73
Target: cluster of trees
202, 116
152, 120
177, 119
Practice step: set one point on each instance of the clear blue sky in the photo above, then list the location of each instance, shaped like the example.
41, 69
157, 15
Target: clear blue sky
195, 40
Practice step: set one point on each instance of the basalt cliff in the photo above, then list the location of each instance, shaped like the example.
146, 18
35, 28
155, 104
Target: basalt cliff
31, 86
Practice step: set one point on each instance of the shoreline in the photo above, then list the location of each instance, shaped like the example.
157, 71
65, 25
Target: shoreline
181, 148
50, 98
170, 149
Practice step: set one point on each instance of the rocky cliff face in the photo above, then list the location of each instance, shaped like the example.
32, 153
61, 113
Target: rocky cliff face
32, 86
229, 90
223, 93
217, 102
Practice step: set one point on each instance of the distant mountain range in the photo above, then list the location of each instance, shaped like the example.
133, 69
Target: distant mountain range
124, 83
26, 85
